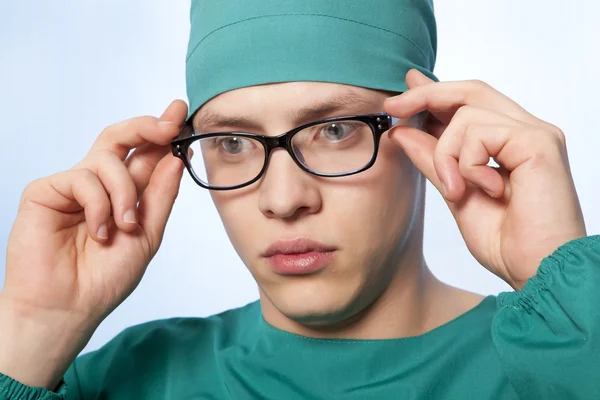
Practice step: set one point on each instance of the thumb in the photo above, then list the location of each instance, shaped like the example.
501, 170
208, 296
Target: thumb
415, 78
419, 148
157, 200
176, 112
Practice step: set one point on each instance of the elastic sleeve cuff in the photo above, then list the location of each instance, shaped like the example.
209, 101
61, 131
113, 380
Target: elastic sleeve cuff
11, 389
550, 273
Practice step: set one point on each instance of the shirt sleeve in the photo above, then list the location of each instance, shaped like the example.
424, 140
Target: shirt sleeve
548, 334
11, 389
67, 389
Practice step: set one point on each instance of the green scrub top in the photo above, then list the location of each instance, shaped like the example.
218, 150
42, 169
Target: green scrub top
542, 342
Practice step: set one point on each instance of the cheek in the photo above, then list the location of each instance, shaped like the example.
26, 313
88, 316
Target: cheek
393, 165
388, 185
239, 213
376, 206
397, 178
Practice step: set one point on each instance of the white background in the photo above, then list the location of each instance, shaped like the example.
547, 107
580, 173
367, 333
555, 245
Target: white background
69, 68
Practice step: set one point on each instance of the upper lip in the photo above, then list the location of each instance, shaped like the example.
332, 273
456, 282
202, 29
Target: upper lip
296, 246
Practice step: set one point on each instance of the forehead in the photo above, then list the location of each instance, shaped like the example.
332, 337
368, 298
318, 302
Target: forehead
295, 100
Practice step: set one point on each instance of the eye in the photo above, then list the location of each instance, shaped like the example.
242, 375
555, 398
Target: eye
234, 145
337, 131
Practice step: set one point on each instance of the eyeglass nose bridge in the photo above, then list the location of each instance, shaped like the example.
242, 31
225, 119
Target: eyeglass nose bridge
382, 123
283, 141
274, 142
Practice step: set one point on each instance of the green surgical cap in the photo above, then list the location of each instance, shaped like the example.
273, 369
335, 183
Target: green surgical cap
373, 44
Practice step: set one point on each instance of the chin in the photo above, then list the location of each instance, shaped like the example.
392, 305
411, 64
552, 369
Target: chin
316, 304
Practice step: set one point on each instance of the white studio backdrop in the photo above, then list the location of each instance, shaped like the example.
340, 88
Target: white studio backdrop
69, 68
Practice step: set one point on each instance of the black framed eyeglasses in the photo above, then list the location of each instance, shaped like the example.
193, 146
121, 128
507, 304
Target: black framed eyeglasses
332, 147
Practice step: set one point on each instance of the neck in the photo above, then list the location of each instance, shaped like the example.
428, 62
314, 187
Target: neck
413, 303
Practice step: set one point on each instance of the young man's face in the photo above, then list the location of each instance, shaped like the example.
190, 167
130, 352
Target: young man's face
364, 219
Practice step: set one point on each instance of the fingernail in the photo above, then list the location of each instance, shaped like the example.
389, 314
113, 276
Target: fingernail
103, 232
165, 123
444, 189
129, 217
489, 193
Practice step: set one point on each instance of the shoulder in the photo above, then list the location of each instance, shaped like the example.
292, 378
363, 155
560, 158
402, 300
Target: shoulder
149, 350
168, 334
181, 330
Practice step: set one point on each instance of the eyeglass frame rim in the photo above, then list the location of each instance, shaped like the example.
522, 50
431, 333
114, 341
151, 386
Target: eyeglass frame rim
181, 143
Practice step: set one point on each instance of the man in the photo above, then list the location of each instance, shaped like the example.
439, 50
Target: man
292, 126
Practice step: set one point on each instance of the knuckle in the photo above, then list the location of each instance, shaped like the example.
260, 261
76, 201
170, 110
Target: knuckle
86, 175
540, 160
471, 132
552, 138
86, 178
102, 156
109, 168
464, 167
478, 84
31, 189
559, 135
463, 112
107, 132
547, 147
476, 91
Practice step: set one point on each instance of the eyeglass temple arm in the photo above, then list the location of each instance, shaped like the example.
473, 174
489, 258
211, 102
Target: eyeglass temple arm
414, 118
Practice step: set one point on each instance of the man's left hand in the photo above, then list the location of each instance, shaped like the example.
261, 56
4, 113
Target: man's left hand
511, 216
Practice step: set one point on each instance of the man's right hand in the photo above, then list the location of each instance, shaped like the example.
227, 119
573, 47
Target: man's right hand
81, 243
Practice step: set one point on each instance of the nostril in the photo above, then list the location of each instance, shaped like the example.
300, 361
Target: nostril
288, 213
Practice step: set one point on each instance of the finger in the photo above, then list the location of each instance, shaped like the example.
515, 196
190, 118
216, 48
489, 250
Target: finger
143, 160
72, 191
446, 97
449, 147
176, 112
158, 198
419, 148
119, 185
123, 136
434, 124
512, 147
415, 78
480, 143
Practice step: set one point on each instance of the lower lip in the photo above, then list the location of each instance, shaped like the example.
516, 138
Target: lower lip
300, 264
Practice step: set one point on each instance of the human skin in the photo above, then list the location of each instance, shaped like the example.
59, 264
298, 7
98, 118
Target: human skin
76, 252
510, 217
374, 219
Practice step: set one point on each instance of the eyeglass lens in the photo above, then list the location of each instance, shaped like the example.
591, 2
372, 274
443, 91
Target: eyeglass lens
335, 148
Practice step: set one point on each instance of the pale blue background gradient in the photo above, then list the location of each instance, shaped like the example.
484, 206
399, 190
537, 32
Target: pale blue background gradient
69, 68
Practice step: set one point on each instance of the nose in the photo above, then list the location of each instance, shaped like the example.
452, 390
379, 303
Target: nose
286, 191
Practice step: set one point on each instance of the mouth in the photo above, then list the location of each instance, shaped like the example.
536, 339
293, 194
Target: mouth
298, 257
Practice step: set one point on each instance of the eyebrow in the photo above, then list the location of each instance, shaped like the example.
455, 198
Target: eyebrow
350, 100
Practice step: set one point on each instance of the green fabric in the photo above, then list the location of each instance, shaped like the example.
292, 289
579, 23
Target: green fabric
540, 343
239, 43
